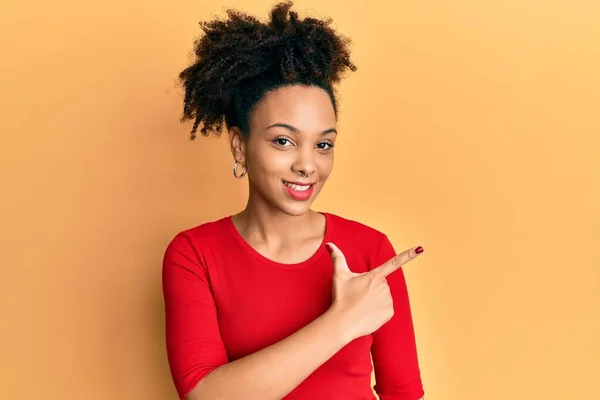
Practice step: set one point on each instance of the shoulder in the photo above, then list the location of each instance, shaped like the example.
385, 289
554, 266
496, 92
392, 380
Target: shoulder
354, 230
362, 245
196, 238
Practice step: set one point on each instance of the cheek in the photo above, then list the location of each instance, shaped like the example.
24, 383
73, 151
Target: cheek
275, 164
266, 163
325, 166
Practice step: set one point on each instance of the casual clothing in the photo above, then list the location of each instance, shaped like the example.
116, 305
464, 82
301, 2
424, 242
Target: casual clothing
224, 301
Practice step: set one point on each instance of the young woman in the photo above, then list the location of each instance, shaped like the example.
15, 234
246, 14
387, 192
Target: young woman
280, 301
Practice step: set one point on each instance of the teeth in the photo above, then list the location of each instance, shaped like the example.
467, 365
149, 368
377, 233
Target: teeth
297, 187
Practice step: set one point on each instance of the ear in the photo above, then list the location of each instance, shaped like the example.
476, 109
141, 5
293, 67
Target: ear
237, 144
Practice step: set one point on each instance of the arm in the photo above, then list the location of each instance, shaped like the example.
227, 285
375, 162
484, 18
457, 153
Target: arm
197, 355
275, 371
394, 351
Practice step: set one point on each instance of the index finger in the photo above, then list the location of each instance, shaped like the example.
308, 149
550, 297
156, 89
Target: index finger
394, 263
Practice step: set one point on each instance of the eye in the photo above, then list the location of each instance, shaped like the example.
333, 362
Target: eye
281, 141
323, 145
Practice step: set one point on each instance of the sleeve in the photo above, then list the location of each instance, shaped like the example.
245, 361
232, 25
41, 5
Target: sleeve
394, 351
193, 339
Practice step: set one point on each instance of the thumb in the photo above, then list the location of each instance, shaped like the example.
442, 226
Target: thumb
338, 258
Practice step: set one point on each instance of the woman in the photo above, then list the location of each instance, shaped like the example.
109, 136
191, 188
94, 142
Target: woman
255, 309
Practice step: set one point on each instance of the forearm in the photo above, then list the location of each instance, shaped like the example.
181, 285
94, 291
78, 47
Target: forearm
275, 371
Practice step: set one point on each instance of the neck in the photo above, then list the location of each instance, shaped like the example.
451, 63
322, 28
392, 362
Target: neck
262, 223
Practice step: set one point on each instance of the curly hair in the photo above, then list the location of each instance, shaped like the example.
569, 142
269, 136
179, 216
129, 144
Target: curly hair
239, 60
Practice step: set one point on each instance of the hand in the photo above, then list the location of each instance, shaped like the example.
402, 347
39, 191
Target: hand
363, 301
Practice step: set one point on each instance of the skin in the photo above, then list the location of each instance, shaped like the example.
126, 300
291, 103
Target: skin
276, 225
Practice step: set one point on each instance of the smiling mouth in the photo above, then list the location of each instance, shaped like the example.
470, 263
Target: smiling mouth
298, 187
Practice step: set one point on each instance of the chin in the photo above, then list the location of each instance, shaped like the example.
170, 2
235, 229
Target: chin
296, 210
279, 199
293, 207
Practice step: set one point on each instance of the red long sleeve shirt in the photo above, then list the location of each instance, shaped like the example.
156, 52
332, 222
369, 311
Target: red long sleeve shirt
224, 301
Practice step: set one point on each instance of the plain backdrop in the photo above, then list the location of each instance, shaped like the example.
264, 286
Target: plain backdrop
470, 128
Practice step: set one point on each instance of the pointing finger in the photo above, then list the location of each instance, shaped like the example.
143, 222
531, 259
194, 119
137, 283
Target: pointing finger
394, 263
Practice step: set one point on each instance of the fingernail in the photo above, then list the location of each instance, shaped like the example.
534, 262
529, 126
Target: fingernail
419, 250
328, 247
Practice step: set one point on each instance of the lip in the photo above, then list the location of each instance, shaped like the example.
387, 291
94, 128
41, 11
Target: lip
299, 195
299, 183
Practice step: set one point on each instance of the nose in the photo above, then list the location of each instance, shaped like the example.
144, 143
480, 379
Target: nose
304, 164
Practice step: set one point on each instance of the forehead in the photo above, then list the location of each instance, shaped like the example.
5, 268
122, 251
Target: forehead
308, 108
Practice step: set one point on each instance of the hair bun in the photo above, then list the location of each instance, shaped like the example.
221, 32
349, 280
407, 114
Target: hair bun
239, 59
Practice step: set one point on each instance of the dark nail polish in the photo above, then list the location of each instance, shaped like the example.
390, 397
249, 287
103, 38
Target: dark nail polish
419, 250
328, 247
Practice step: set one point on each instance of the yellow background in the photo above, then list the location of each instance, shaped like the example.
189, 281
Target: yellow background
471, 128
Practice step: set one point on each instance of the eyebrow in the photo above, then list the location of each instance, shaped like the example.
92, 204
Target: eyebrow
294, 129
